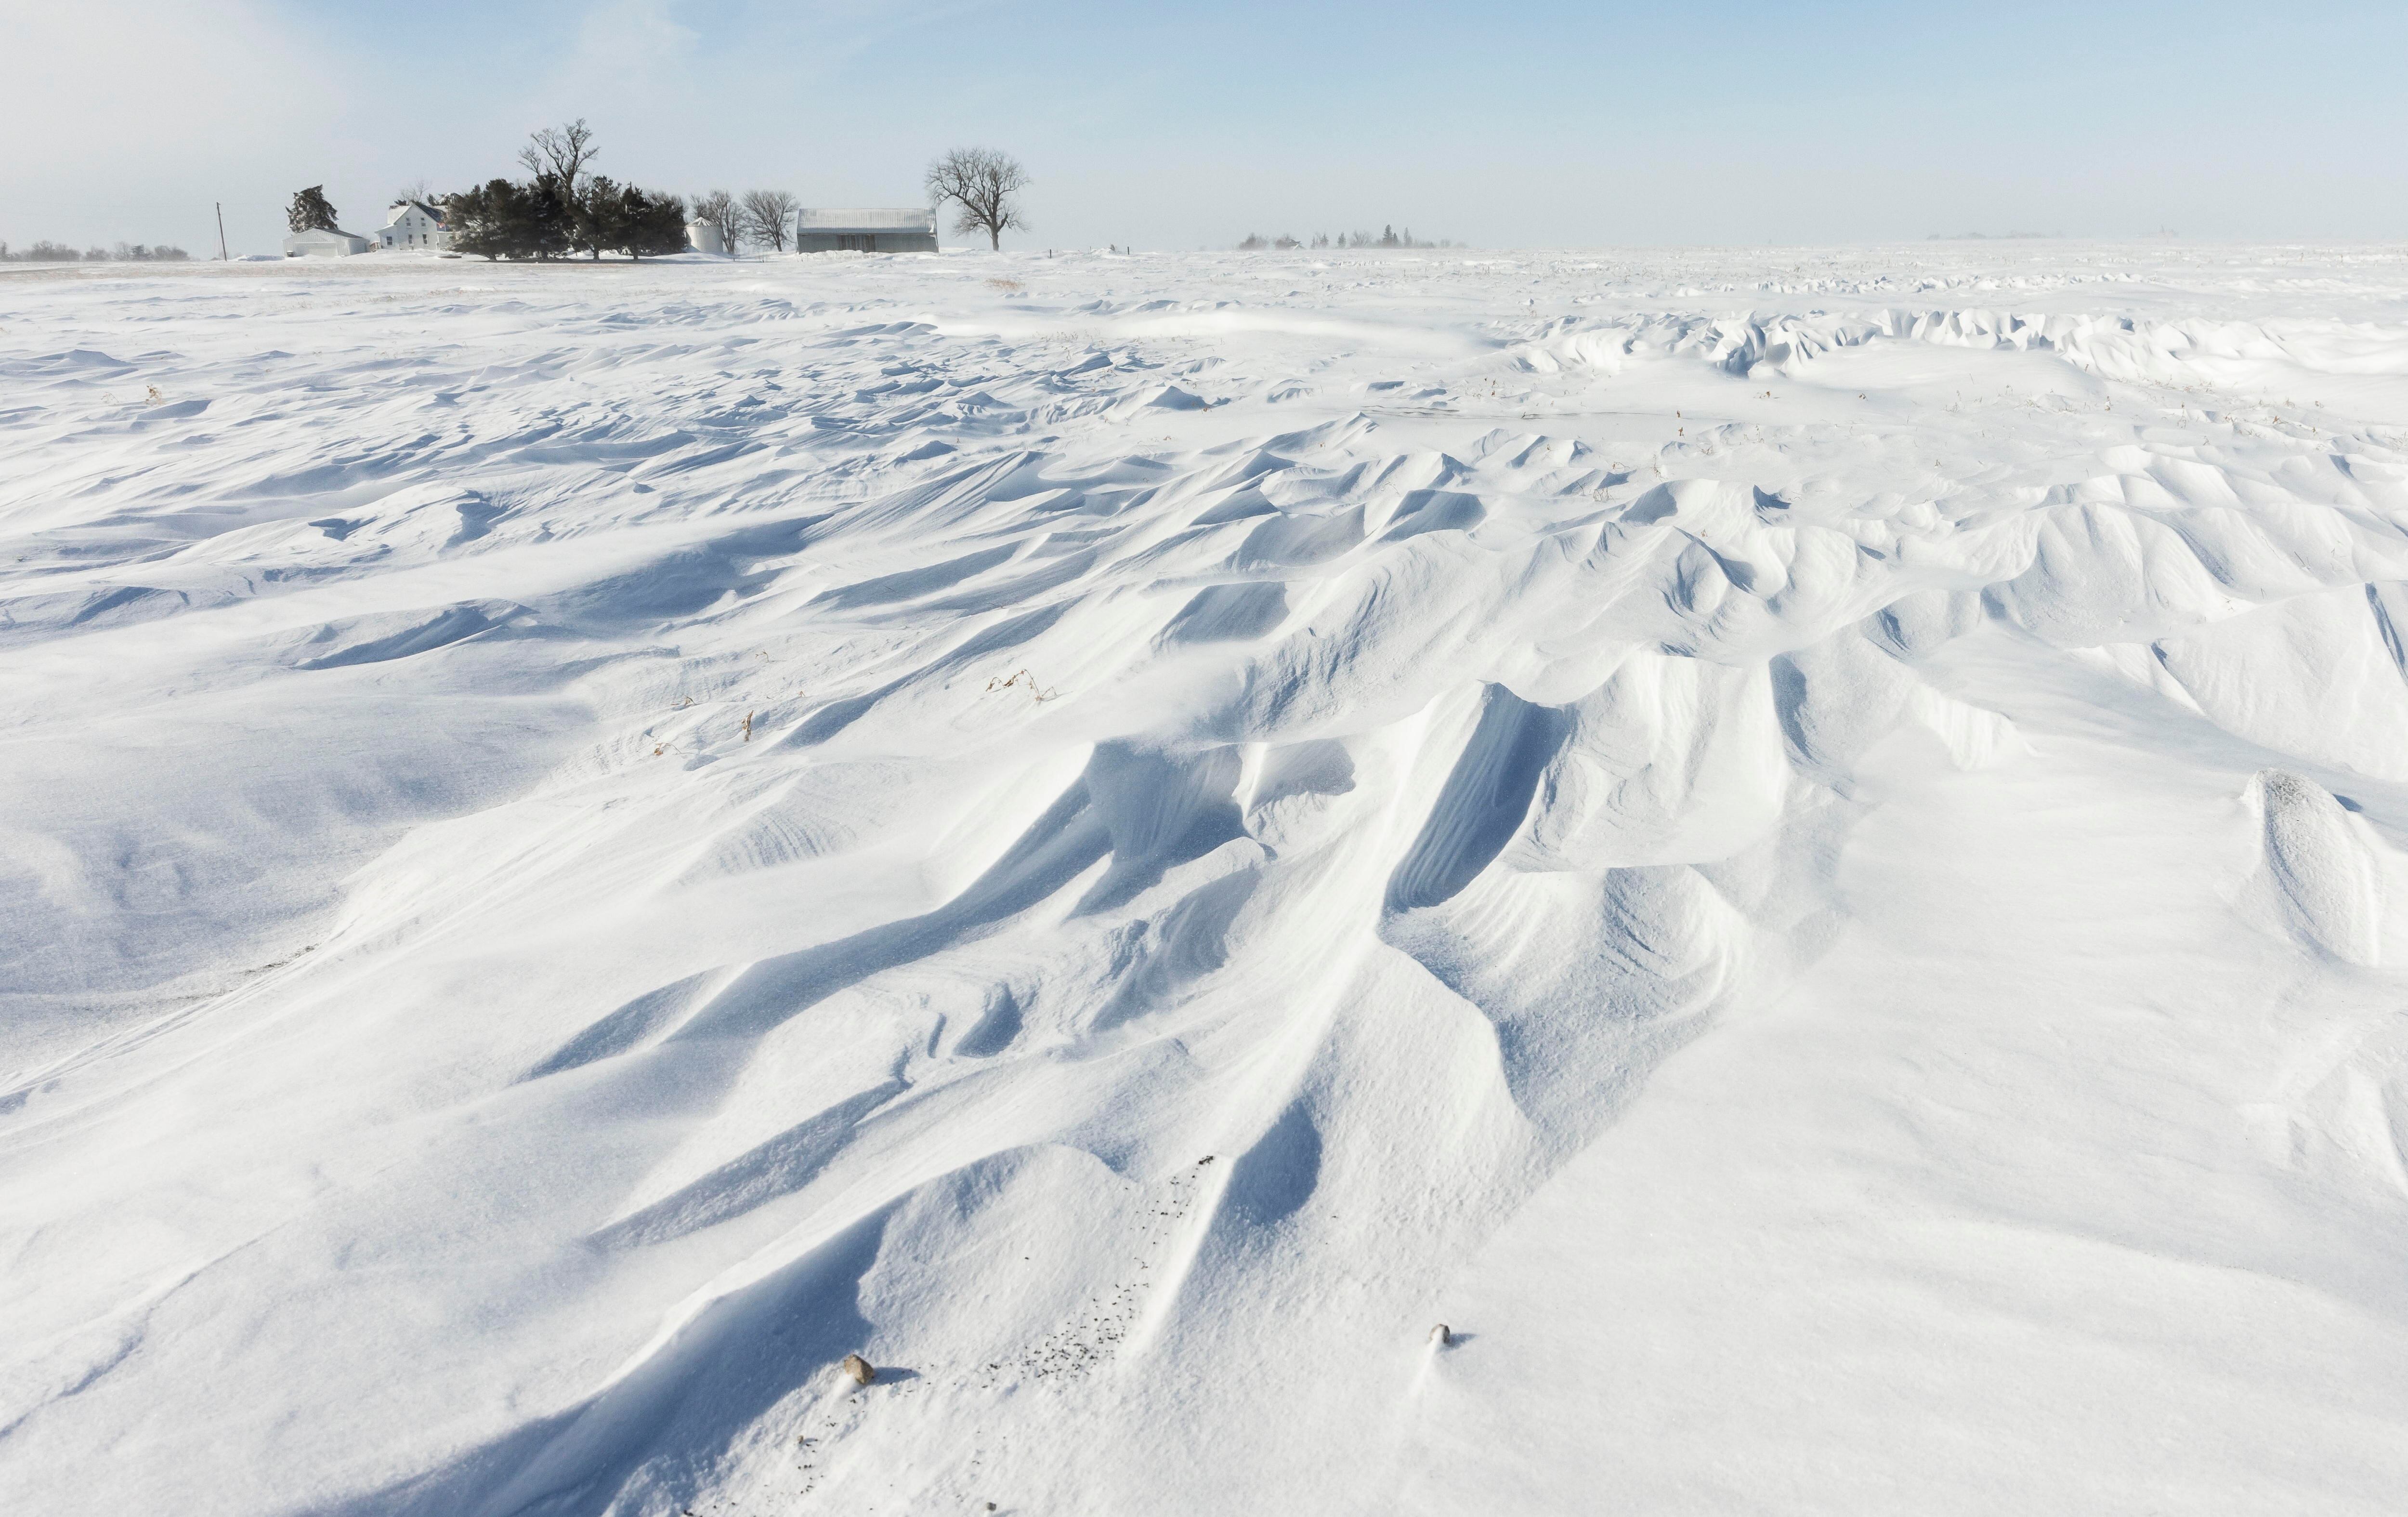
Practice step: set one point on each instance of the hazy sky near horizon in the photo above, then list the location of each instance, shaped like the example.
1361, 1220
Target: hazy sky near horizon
1539, 124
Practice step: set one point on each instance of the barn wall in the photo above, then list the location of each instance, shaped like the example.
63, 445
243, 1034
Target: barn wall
324, 245
882, 241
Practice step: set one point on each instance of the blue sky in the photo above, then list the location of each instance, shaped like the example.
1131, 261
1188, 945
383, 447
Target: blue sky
1179, 126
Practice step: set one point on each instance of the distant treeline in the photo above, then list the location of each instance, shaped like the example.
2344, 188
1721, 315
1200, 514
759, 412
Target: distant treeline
47, 251
1386, 238
545, 218
560, 209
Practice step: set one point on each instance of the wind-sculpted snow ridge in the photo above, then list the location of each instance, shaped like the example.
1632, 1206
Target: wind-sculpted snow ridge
1820, 879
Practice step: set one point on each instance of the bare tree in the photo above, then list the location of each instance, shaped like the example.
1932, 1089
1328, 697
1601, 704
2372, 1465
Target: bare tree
982, 183
765, 213
310, 211
560, 152
419, 190
719, 209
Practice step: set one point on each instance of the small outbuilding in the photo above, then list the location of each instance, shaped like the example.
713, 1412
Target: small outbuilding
320, 243
703, 236
414, 223
908, 229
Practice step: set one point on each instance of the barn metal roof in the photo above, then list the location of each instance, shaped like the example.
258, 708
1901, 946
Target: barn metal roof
889, 219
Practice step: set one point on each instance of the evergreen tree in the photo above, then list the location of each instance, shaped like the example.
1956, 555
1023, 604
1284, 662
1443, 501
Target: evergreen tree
547, 219
490, 221
536, 219
503, 220
475, 228
310, 211
597, 213
654, 224
611, 217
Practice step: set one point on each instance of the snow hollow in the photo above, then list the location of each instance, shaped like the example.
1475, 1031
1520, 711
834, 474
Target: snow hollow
1803, 849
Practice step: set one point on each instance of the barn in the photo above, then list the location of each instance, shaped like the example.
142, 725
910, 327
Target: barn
909, 229
324, 244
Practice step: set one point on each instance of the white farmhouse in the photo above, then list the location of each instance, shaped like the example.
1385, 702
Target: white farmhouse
414, 223
321, 243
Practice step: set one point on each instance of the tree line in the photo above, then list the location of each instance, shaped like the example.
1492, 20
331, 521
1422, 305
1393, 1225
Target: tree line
1386, 238
562, 208
981, 184
47, 251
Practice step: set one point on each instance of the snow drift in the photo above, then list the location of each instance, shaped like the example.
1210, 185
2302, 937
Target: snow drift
1813, 867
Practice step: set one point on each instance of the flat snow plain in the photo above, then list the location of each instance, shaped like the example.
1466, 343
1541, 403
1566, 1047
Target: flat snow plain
1805, 847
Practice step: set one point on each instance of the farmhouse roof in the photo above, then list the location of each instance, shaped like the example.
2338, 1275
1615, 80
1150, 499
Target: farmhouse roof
401, 207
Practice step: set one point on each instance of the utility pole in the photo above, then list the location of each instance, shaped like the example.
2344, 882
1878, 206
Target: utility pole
222, 247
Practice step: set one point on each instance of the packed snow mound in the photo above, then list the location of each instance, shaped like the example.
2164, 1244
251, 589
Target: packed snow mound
1122, 848
2324, 871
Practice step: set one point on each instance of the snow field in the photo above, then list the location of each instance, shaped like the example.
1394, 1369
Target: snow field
1805, 847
